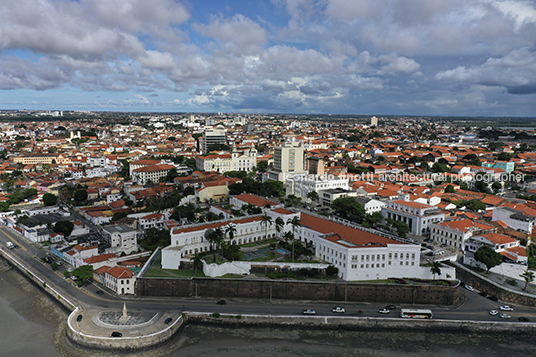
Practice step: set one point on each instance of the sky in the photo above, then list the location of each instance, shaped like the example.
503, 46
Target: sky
371, 57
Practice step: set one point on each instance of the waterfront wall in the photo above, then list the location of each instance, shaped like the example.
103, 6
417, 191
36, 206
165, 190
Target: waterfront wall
360, 323
502, 293
42, 282
298, 290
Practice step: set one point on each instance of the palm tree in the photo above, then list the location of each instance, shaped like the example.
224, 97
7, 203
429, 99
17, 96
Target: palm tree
528, 276
220, 239
295, 222
279, 224
266, 220
435, 269
230, 231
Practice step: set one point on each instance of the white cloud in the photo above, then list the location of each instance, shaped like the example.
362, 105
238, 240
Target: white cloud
518, 68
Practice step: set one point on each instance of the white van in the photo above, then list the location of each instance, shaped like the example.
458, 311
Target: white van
10, 245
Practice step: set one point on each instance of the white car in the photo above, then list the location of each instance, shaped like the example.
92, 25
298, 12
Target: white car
504, 316
338, 310
384, 311
309, 312
506, 308
494, 312
469, 287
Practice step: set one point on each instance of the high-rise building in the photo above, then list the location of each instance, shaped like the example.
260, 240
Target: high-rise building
373, 121
211, 137
288, 160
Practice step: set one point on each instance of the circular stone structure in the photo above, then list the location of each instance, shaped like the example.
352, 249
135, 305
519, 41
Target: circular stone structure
117, 319
137, 328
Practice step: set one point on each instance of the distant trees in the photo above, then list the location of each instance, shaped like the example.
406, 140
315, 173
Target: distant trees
450, 189
80, 195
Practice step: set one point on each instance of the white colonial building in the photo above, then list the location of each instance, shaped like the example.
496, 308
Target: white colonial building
456, 233
235, 161
418, 216
358, 254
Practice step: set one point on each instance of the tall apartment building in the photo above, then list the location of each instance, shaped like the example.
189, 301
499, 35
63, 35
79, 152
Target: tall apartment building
212, 136
288, 160
373, 121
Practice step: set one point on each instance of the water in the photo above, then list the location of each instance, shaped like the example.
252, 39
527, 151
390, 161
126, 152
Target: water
32, 325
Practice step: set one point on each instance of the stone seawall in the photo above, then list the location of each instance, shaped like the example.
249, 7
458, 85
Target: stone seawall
299, 290
124, 343
359, 323
41, 282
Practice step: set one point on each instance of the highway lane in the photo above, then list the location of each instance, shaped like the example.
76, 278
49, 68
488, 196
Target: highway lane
475, 306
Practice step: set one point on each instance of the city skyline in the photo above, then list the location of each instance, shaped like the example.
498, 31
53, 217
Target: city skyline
387, 57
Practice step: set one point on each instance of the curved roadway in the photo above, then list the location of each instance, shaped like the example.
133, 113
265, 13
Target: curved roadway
474, 306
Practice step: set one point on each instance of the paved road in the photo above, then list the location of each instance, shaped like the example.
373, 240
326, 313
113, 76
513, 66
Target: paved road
475, 307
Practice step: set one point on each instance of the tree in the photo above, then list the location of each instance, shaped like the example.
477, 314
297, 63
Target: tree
436, 269
349, 208
472, 159
211, 237
266, 220
65, 227
49, 199
80, 195
438, 167
496, 186
188, 191
156, 238
230, 231
83, 274
262, 166
528, 276
313, 196
402, 228
219, 238
198, 264
450, 189
332, 270
487, 256
476, 205
295, 223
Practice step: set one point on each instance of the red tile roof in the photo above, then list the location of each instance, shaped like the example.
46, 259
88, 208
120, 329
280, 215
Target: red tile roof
216, 225
349, 234
255, 200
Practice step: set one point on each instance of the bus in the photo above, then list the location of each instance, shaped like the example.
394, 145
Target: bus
416, 313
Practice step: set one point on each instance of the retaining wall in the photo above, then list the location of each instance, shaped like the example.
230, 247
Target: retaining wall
502, 293
361, 323
43, 283
298, 290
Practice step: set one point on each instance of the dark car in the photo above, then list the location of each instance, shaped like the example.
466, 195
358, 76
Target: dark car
117, 334
390, 307
221, 302
523, 319
79, 318
168, 320
493, 298
100, 292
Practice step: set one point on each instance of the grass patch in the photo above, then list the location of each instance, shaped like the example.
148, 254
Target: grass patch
158, 272
232, 276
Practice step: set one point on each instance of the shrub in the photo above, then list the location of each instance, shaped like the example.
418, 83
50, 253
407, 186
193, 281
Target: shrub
216, 314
